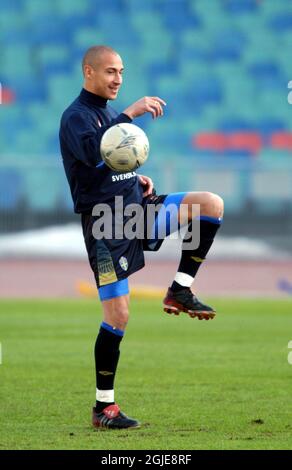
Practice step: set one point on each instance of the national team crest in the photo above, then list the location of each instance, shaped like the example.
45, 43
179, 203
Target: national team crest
123, 263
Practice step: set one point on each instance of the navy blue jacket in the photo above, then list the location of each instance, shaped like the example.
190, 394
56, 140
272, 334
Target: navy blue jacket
82, 125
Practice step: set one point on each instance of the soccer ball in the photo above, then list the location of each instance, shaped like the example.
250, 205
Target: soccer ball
124, 147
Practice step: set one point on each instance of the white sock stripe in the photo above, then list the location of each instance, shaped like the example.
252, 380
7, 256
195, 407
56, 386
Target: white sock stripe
184, 279
107, 396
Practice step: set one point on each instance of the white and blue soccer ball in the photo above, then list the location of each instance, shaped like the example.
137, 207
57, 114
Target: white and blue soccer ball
124, 147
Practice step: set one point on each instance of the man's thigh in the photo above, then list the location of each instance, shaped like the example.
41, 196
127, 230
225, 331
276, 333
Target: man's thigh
162, 219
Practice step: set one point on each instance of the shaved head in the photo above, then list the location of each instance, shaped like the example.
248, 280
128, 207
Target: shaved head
94, 54
102, 70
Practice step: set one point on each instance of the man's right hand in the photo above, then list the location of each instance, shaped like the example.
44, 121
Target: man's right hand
148, 104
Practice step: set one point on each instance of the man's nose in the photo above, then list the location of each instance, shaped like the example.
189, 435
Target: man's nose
118, 79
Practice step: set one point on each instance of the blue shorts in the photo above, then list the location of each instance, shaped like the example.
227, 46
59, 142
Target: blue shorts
112, 261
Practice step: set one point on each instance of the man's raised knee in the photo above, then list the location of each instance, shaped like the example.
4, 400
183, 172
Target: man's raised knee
213, 205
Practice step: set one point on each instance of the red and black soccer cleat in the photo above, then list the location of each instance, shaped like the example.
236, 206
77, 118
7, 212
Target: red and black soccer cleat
112, 418
185, 301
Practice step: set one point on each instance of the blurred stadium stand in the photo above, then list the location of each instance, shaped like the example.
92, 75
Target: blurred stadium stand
223, 71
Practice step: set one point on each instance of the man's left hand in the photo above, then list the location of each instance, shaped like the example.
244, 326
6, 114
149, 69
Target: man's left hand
147, 184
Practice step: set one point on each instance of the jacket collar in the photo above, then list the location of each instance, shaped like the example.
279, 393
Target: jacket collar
89, 97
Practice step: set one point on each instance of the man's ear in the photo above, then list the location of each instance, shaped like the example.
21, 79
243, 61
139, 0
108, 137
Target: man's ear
88, 71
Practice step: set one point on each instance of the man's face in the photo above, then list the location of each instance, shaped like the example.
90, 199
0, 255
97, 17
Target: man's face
104, 78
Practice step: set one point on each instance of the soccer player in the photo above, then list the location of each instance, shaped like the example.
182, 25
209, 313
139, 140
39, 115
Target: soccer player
112, 260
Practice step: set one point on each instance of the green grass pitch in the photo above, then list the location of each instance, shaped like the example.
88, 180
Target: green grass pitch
221, 384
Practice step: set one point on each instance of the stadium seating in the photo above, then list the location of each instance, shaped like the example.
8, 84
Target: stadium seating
223, 71
11, 188
38, 186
